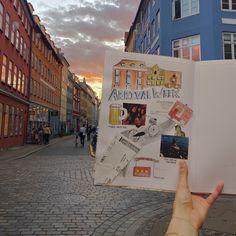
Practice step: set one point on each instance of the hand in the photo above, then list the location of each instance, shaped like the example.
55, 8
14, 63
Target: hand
190, 210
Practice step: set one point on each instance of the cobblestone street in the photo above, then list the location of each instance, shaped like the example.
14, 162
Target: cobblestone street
51, 192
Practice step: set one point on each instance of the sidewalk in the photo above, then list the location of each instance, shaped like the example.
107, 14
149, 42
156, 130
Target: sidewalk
26, 150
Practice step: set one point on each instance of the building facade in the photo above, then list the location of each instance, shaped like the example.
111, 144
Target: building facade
89, 105
76, 103
16, 25
64, 82
69, 104
190, 29
45, 86
129, 74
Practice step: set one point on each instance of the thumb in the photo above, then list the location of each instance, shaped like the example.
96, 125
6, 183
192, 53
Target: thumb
183, 175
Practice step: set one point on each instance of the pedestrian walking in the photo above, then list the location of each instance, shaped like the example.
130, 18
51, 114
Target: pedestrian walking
89, 133
46, 134
82, 135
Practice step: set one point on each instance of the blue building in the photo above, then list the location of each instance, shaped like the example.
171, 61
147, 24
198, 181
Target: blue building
191, 29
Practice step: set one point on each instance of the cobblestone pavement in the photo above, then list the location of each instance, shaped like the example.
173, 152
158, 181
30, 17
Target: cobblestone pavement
51, 192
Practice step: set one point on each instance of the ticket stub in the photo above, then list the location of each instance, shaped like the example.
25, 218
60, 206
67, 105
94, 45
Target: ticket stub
117, 156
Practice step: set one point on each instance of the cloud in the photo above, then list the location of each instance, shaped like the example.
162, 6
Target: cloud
86, 29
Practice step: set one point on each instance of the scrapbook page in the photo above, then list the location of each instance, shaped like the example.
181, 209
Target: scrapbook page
145, 120
148, 123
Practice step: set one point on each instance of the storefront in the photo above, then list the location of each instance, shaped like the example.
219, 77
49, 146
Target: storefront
39, 116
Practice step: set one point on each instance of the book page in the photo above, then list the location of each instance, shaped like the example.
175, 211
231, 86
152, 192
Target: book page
213, 146
145, 120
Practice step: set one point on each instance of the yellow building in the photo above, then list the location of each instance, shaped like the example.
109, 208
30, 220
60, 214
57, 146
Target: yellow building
163, 78
45, 86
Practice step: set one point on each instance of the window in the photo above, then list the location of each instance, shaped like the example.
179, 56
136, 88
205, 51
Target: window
4, 68
9, 76
1, 16
1, 116
158, 20
17, 39
19, 81
7, 28
228, 5
139, 83
23, 84
128, 79
23, 17
15, 3
21, 45
183, 8
24, 51
14, 84
19, 9
229, 45
117, 72
188, 48
13, 34
6, 121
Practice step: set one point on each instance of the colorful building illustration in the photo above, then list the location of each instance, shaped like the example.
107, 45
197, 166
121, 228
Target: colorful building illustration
129, 74
163, 78
156, 76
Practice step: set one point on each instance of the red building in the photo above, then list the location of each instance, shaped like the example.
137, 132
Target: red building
15, 49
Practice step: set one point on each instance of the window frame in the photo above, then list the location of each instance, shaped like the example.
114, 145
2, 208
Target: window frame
189, 46
7, 26
1, 16
13, 32
230, 6
9, 73
232, 45
15, 77
190, 10
23, 84
17, 40
4, 69
19, 81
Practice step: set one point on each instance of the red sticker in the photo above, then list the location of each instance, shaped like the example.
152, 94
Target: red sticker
141, 171
180, 113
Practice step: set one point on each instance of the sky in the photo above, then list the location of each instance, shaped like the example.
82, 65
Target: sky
84, 29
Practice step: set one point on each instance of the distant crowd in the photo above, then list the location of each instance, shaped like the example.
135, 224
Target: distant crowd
41, 135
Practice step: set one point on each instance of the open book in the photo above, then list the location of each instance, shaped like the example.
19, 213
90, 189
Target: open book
158, 110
